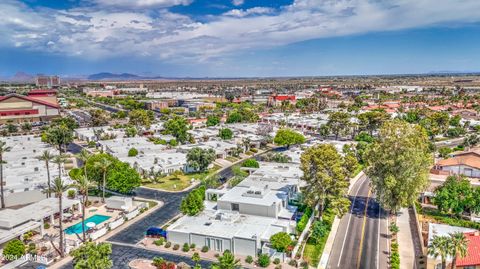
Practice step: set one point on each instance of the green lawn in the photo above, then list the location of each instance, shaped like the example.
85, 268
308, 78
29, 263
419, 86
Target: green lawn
232, 159
180, 182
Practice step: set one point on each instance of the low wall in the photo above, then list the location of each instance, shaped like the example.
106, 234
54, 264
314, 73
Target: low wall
98, 233
114, 224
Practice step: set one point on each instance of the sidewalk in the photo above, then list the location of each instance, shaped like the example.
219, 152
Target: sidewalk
405, 241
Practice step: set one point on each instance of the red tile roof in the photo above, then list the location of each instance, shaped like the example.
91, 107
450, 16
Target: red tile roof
27, 98
284, 97
473, 251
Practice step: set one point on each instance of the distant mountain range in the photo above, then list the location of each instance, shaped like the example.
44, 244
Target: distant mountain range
122, 76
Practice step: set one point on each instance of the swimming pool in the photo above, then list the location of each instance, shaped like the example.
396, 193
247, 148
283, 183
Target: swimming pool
77, 228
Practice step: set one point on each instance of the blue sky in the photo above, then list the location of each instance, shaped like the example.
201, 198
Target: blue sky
235, 38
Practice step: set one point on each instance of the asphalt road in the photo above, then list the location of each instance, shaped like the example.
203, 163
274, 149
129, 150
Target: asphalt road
361, 239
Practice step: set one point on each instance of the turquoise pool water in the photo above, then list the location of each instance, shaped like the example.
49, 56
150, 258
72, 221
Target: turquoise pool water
77, 228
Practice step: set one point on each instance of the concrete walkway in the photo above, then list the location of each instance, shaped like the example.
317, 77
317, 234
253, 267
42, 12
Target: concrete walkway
405, 240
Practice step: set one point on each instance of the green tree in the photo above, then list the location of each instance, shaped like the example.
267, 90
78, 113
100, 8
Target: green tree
98, 117
192, 204
455, 121
339, 123
139, 117
68, 122
280, 241
132, 152
227, 261
459, 247
178, 127
372, 120
3, 149
213, 120
398, 163
199, 159
59, 160
251, 163
288, 137
455, 196
58, 188
103, 165
130, 131
196, 258
82, 184
13, 250
225, 133
47, 157
234, 117
440, 246
59, 136
26, 126
444, 152
12, 128
326, 174
92, 256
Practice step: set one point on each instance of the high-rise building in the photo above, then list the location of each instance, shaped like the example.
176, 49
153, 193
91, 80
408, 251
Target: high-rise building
47, 81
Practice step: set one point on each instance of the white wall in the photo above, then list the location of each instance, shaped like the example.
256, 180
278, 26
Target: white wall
245, 247
464, 170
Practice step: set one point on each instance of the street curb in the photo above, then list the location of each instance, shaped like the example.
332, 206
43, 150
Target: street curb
333, 231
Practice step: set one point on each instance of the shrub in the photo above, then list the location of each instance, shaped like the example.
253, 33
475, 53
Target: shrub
159, 242
293, 263
168, 244
304, 220
46, 225
304, 264
276, 261
13, 250
204, 249
216, 255
280, 241
185, 247
251, 163
71, 194
132, 152
263, 260
249, 259
394, 228
176, 247
158, 262
278, 266
192, 246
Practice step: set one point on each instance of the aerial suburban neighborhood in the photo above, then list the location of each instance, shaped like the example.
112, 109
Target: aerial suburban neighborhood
231, 134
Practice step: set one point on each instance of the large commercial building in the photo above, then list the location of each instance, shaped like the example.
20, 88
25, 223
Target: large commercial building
47, 81
38, 105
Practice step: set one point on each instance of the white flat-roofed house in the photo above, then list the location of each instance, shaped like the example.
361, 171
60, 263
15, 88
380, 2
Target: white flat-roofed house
246, 216
25, 177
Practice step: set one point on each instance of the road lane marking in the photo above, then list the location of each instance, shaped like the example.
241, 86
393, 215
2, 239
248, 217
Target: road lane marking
348, 223
359, 258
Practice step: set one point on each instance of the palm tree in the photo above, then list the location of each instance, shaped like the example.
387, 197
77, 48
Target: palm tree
103, 164
440, 246
58, 188
82, 184
227, 261
58, 160
3, 148
47, 158
459, 246
84, 156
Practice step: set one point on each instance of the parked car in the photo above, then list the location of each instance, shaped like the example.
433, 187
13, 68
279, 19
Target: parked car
156, 232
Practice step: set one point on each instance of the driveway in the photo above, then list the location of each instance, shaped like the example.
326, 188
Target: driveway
135, 232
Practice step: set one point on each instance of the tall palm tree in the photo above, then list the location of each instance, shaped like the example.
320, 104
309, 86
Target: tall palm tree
82, 184
3, 148
47, 158
459, 247
103, 164
58, 188
440, 246
59, 160
84, 156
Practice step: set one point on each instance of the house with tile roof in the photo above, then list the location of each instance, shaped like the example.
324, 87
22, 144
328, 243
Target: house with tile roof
464, 163
472, 259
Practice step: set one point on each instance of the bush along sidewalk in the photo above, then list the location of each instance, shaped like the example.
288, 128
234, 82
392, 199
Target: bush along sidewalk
394, 254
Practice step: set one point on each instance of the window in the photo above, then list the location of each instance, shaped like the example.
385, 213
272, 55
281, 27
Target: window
218, 245
208, 243
235, 207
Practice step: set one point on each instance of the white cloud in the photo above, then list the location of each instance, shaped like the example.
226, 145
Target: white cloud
250, 11
95, 32
142, 3
238, 2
